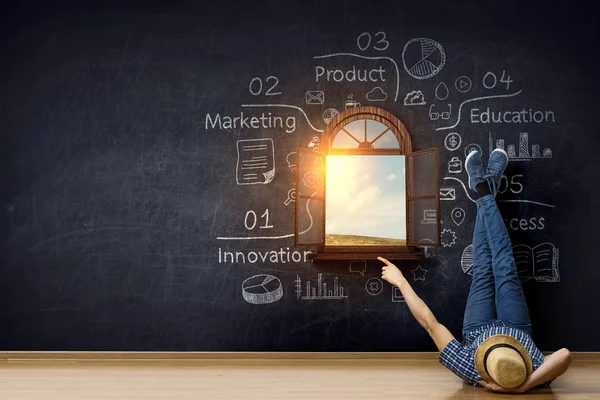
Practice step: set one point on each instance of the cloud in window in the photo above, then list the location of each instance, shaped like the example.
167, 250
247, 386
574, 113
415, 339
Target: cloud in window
391, 177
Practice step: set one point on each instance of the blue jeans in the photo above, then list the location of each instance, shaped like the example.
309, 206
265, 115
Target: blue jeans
496, 292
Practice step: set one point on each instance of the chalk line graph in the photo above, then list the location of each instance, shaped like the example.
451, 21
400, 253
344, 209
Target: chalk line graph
285, 106
499, 201
475, 99
368, 58
273, 237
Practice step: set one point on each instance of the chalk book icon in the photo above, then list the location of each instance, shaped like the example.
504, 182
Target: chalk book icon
539, 262
255, 161
262, 289
315, 97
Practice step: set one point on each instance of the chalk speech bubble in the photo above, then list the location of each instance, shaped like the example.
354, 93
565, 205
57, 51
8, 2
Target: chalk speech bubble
358, 266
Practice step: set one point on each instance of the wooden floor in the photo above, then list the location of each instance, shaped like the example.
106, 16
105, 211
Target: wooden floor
315, 376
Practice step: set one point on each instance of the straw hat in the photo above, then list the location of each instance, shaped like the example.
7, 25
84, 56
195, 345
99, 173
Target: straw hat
504, 360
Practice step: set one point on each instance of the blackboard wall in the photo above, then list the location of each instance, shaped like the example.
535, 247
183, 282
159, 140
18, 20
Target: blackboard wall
122, 205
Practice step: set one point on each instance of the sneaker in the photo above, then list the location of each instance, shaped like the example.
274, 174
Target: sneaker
496, 165
475, 169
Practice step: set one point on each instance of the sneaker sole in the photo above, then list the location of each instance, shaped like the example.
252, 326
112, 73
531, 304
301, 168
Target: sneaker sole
466, 162
500, 151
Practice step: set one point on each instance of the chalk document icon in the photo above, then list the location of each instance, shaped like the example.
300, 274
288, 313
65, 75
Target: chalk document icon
255, 161
262, 289
423, 58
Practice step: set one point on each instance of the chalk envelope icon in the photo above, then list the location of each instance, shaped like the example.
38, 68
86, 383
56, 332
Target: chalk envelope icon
315, 97
262, 289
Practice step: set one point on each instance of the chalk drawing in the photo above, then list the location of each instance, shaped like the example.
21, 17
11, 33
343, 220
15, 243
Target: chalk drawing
466, 260
383, 44
321, 291
452, 141
351, 103
419, 273
526, 201
376, 94
291, 196
423, 58
429, 217
524, 153
463, 84
448, 238
285, 106
329, 114
255, 161
447, 194
472, 147
315, 97
368, 58
437, 115
414, 98
357, 266
451, 178
539, 262
455, 166
441, 91
315, 145
273, 237
262, 289
397, 295
260, 86
374, 286
475, 99
458, 215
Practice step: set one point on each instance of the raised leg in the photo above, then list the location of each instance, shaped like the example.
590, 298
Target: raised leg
481, 307
511, 306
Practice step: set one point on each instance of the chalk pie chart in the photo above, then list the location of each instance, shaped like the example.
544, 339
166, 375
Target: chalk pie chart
262, 289
466, 260
423, 58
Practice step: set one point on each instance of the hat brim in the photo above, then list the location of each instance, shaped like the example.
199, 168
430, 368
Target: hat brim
500, 339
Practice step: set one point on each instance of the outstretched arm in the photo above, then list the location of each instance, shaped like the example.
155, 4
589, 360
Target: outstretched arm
438, 332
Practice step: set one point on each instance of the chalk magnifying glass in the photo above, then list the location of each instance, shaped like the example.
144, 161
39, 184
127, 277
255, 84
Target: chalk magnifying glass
291, 197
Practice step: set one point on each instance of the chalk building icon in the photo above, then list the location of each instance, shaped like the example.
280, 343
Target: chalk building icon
524, 153
321, 291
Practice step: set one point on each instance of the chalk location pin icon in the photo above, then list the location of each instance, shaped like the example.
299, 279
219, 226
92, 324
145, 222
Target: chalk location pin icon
458, 216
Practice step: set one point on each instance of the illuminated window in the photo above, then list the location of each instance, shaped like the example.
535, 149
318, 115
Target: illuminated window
364, 193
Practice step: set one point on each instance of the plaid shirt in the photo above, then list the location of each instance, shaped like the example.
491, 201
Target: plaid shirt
460, 357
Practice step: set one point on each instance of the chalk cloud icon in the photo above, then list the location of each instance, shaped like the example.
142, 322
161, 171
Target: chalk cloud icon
376, 94
423, 57
262, 289
414, 98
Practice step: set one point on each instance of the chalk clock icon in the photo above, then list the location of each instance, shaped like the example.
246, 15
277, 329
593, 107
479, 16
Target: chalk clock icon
262, 289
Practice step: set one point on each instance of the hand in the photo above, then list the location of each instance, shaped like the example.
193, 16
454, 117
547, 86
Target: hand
499, 389
391, 273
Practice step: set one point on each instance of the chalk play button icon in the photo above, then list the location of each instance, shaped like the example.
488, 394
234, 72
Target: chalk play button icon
463, 84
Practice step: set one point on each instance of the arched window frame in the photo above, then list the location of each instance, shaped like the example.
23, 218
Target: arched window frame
314, 161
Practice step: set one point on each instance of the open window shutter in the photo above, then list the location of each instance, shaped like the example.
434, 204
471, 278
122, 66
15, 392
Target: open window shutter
423, 198
309, 227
